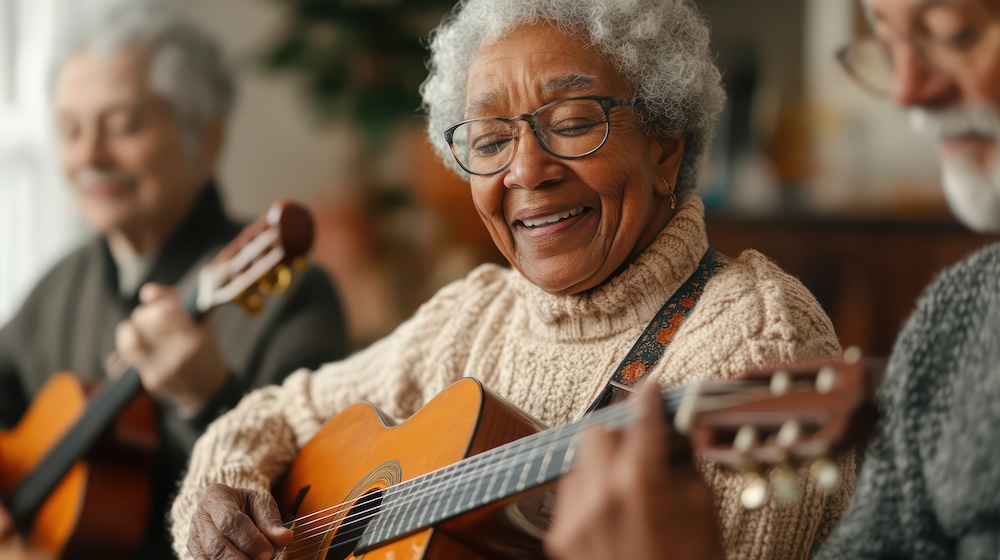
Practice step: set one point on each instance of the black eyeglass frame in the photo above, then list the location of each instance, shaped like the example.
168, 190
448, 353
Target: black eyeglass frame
607, 103
843, 57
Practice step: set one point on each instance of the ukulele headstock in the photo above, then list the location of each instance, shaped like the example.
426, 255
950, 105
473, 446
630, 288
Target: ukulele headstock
260, 261
780, 419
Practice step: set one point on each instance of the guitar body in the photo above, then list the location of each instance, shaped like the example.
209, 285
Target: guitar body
100, 508
356, 453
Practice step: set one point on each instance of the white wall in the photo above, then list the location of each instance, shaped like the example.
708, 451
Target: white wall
37, 224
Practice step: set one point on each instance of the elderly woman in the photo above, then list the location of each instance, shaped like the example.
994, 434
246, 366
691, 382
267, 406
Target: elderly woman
580, 124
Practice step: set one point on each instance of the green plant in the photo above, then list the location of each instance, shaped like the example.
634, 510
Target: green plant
359, 59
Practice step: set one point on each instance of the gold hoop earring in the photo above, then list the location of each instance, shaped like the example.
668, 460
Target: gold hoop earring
673, 197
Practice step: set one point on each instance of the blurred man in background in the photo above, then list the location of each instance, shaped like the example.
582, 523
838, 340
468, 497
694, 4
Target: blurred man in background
930, 484
140, 96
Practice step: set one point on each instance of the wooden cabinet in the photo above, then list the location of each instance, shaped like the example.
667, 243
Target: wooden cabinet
867, 272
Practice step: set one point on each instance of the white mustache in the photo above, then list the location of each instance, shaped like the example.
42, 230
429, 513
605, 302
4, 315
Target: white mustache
91, 177
959, 121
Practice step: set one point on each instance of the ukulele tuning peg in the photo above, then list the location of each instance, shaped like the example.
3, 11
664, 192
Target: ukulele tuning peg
755, 490
785, 484
826, 474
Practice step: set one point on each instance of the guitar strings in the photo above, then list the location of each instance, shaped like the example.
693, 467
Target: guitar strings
674, 396
446, 484
436, 488
506, 456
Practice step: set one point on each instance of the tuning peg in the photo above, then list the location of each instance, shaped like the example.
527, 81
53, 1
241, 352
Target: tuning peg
755, 490
826, 379
789, 433
280, 279
852, 355
786, 485
781, 382
300, 263
826, 474
746, 438
251, 302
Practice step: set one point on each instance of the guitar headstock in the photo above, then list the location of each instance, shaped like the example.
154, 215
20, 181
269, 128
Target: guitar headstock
259, 261
780, 419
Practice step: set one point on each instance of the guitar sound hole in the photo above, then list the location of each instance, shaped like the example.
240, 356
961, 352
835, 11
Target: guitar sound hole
354, 525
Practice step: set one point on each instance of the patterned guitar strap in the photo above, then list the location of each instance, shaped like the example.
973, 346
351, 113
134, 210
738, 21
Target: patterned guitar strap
661, 330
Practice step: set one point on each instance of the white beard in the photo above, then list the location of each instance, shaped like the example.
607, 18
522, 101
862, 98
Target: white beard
972, 194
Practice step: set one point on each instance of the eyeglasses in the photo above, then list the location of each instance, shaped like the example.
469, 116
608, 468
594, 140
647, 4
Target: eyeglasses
568, 128
871, 60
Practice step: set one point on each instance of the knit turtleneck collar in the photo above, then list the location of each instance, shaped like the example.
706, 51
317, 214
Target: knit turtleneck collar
635, 295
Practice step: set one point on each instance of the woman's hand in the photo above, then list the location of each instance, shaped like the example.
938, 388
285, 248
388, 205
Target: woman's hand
177, 358
634, 494
236, 523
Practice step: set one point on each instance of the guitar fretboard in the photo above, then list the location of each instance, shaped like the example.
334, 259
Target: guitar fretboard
490, 476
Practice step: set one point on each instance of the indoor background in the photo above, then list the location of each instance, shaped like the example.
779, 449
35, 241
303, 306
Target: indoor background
807, 167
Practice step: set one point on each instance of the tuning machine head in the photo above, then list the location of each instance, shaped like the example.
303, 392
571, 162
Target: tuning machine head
826, 474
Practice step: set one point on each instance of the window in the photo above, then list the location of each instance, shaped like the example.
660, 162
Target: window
36, 220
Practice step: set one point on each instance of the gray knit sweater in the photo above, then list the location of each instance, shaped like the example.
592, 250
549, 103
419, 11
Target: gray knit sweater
930, 486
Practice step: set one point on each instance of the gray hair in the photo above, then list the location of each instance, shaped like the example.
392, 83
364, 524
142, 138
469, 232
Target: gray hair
660, 46
186, 68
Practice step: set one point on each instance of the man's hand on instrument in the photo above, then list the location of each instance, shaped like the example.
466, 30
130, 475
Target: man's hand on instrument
236, 523
12, 547
7, 528
177, 358
634, 494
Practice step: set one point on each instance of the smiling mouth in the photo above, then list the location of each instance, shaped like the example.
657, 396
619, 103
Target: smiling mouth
552, 218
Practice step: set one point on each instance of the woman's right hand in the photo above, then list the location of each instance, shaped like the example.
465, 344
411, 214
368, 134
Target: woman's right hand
236, 523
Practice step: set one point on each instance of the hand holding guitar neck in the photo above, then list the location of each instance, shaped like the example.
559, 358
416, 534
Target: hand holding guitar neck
46, 487
358, 486
611, 504
7, 528
177, 358
12, 546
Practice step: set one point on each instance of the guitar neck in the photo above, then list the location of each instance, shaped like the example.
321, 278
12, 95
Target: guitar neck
25, 500
491, 476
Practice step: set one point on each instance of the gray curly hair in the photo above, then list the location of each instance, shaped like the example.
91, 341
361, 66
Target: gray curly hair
660, 46
186, 69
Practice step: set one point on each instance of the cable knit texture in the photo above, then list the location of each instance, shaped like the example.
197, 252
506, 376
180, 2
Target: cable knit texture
551, 356
930, 485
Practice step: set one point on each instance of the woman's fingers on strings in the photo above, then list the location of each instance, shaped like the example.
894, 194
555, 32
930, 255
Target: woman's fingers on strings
208, 543
264, 511
648, 438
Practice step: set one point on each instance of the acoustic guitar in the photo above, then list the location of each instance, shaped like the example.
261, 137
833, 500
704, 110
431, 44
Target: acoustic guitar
74, 473
470, 476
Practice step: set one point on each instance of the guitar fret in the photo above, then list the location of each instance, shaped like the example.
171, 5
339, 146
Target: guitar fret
496, 471
522, 481
404, 516
467, 474
472, 497
376, 529
430, 504
504, 489
421, 503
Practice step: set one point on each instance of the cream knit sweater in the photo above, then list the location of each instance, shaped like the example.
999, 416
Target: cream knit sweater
550, 355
